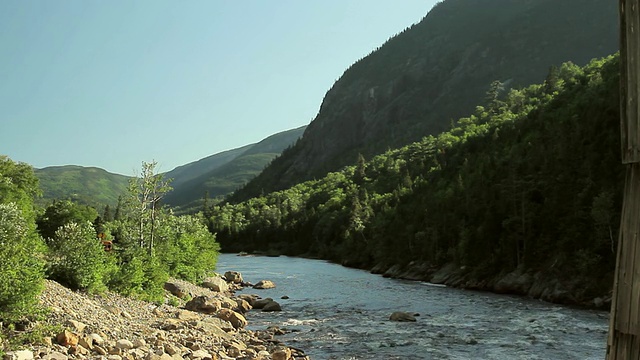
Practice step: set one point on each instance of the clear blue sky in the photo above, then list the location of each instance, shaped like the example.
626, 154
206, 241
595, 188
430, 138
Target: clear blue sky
114, 83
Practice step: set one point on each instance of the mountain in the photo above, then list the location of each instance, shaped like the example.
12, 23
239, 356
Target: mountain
522, 196
436, 71
86, 185
190, 171
220, 174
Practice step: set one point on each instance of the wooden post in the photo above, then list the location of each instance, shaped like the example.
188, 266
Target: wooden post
624, 326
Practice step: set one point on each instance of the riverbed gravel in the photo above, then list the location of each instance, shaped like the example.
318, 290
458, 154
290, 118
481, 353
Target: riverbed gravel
113, 327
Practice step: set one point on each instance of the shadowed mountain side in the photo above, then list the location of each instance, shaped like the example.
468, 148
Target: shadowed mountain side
227, 177
190, 171
436, 71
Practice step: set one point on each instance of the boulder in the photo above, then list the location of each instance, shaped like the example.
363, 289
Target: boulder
76, 325
227, 302
402, 316
97, 339
272, 306
124, 344
19, 355
237, 320
250, 298
243, 306
516, 282
259, 304
200, 355
281, 354
215, 283
187, 315
67, 338
264, 284
204, 304
176, 289
233, 277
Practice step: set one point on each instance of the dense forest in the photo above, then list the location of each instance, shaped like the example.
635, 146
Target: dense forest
529, 183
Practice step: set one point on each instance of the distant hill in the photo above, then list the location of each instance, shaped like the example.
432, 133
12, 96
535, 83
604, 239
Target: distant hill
221, 174
436, 71
86, 185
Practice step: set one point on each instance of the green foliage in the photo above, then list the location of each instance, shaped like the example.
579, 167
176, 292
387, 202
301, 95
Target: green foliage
83, 185
21, 265
60, 213
152, 244
78, 259
521, 184
188, 249
19, 339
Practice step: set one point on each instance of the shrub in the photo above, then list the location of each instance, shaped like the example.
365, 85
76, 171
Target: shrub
21, 264
78, 260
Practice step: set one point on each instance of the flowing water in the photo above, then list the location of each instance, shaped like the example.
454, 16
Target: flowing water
341, 313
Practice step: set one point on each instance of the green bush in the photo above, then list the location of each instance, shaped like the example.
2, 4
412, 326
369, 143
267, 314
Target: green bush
21, 264
78, 259
189, 250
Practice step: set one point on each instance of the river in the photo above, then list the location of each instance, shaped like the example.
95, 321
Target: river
336, 312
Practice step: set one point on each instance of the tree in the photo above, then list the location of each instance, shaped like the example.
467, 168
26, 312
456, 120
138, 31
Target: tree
359, 174
21, 264
60, 213
492, 96
106, 213
146, 192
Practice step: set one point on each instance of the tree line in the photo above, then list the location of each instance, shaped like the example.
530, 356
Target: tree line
530, 180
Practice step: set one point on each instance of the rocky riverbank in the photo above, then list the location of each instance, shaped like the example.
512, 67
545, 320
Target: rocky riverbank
113, 327
543, 285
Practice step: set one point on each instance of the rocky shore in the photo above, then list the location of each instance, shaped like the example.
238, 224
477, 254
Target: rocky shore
544, 285
201, 324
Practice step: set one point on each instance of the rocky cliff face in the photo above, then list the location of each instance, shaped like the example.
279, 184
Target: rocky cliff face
436, 71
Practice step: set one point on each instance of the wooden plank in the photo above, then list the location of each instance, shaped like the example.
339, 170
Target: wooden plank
630, 74
634, 267
624, 326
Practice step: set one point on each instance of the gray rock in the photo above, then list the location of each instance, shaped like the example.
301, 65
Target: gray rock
264, 284
243, 306
233, 277
216, 283
77, 326
19, 355
237, 320
204, 304
259, 304
250, 298
272, 306
176, 289
124, 344
402, 316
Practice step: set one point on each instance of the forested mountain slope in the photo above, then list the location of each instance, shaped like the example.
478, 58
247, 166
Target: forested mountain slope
219, 175
86, 185
436, 71
523, 196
